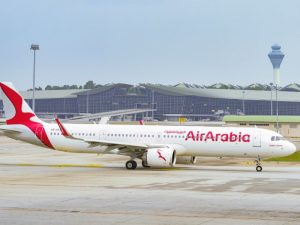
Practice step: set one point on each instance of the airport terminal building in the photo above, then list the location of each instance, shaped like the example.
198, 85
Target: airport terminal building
165, 101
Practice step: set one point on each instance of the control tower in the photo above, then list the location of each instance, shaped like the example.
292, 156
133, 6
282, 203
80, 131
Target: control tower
276, 57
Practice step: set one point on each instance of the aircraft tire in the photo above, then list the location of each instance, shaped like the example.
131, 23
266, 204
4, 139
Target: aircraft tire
258, 168
131, 165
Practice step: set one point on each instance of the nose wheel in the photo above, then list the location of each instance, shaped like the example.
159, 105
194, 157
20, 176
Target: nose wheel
258, 168
131, 165
258, 165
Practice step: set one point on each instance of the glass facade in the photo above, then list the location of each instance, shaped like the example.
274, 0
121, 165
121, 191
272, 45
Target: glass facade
1, 108
122, 96
55, 105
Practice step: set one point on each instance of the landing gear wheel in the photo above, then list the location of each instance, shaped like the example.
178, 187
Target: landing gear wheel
144, 164
258, 168
131, 165
258, 165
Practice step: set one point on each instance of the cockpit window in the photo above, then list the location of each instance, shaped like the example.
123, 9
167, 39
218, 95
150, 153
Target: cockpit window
277, 138
273, 138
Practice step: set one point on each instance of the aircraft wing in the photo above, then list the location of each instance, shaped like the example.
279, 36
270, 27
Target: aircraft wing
116, 144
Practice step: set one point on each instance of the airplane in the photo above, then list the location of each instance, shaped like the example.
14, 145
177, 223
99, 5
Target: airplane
157, 146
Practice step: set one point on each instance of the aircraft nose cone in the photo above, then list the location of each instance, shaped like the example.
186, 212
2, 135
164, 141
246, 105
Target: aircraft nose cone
291, 148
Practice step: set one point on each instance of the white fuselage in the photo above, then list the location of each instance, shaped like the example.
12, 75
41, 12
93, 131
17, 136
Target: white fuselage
186, 140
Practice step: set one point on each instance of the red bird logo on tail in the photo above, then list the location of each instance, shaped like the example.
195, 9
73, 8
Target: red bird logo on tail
24, 118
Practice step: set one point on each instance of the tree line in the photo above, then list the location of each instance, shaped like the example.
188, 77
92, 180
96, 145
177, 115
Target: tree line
88, 85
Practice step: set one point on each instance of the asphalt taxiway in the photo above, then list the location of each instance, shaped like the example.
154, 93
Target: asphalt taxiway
40, 186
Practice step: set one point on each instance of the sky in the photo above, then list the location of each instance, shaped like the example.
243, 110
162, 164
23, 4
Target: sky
148, 41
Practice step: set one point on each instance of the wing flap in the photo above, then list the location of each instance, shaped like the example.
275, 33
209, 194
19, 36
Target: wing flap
115, 143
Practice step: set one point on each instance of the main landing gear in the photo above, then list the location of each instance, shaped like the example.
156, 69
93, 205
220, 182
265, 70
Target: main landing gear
258, 165
144, 164
131, 165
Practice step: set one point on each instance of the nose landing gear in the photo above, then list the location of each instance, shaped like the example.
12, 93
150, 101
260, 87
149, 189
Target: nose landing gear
258, 165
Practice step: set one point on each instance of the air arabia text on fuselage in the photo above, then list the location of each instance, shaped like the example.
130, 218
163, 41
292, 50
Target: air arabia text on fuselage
211, 136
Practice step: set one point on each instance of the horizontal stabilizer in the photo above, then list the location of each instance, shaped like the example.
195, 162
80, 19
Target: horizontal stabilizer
9, 129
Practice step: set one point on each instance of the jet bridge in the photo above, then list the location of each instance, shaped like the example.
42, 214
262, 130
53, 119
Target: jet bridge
116, 113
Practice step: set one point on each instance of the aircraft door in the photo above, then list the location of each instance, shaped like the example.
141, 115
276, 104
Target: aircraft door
159, 137
102, 135
138, 137
256, 138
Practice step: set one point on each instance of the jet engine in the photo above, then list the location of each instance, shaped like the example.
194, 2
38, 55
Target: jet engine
159, 157
186, 159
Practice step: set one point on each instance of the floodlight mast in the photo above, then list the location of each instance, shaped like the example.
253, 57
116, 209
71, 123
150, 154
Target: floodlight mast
34, 47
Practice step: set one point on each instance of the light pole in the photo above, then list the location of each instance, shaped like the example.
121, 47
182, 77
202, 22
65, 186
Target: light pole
276, 57
34, 47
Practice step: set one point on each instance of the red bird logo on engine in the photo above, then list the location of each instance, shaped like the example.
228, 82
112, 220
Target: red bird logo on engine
160, 156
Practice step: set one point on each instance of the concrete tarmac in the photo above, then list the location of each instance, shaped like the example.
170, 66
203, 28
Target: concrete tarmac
40, 186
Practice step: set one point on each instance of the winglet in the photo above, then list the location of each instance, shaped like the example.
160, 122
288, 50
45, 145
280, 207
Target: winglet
142, 122
62, 128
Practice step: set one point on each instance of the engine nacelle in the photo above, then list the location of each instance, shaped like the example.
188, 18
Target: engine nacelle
160, 157
186, 159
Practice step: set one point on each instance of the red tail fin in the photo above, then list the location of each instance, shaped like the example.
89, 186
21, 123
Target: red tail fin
16, 109
18, 112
